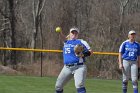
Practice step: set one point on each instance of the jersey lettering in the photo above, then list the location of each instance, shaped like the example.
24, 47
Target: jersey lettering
67, 50
129, 50
131, 54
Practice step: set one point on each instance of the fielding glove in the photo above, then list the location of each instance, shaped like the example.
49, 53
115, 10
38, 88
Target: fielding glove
78, 49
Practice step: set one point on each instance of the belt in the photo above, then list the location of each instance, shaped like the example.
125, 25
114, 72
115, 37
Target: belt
75, 64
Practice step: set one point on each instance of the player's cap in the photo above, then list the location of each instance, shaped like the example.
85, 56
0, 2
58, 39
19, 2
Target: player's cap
132, 32
74, 29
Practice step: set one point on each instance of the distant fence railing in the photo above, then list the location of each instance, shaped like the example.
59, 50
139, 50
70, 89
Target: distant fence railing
54, 51
59, 51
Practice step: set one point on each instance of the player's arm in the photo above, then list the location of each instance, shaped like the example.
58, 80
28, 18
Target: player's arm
88, 51
120, 60
121, 51
138, 67
139, 57
138, 61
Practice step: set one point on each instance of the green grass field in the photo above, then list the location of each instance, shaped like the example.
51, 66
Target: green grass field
28, 84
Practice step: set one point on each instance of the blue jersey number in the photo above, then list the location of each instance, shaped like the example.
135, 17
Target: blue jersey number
67, 50
131, 54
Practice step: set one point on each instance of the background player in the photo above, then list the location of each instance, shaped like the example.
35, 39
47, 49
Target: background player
73, 65
130, 53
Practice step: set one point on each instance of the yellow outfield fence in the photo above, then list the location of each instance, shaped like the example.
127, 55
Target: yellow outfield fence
53, 51
29, 49
59, 51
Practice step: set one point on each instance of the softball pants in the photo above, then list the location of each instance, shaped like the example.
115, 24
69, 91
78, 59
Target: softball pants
130, 71
77, 71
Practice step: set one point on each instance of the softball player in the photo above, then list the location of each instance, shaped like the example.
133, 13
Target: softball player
73, 65
130, 53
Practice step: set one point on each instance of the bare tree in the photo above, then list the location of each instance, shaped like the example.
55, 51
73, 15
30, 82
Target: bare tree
3, 30
31, 24
123, 5
37, 21
13, 30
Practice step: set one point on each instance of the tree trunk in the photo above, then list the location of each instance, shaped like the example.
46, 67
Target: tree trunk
13, 32
36, 15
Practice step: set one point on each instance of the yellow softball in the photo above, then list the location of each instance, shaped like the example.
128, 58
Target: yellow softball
58, 29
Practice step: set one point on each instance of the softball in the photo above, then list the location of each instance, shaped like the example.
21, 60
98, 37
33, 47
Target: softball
58, 29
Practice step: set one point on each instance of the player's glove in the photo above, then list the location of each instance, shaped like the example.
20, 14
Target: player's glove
78, 49
86, 53
139, 73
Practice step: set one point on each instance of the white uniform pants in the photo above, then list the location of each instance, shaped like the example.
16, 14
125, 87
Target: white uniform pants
130, 71
79, 73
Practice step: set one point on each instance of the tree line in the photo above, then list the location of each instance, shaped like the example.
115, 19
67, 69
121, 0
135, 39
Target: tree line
31, 24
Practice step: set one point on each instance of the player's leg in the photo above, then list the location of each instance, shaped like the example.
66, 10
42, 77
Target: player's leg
64, 76
79, 77
126, 75
134, 76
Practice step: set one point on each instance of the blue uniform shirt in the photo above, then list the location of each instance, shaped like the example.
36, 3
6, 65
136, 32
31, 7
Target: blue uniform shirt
68, 51
130, 51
